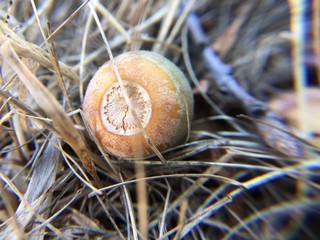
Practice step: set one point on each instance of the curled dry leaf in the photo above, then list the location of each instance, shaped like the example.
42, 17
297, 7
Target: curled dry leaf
277, 135
286, 105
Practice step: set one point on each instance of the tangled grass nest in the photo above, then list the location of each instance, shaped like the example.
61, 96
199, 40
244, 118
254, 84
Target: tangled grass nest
236, 177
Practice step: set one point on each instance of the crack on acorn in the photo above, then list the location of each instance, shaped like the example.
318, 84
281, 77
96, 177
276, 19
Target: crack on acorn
116, 115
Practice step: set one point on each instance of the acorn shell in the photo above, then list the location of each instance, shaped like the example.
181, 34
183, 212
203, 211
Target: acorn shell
171, 104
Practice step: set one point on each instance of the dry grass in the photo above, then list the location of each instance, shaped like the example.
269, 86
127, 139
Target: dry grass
224, 183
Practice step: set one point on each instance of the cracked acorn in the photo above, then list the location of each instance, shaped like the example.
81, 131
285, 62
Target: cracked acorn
161, 100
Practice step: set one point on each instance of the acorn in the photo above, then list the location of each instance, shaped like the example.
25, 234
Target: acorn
161, 100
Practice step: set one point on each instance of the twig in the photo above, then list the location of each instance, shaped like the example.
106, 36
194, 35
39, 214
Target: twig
226, 83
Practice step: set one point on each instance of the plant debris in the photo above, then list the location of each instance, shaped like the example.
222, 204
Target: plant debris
249, 170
